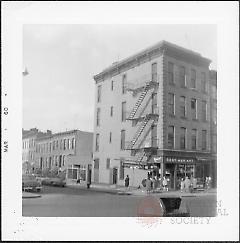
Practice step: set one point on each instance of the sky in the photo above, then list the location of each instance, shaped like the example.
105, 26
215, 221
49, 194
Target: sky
58, 92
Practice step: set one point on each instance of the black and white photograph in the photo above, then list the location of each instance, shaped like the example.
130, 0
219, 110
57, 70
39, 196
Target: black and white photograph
119, 123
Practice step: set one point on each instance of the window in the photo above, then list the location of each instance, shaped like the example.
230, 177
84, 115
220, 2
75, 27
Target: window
171, 137
69, 144
96, 164
204, 110
214, 112
123, 111
193, 79
194, 108
57, 144
111, 111
99, 91
182, 138
204, 139
170, 73
214, 145
108, 163
182, 106
63, 160
194, 139
122, 139
56, 160
73, 143
110, 137
154, 72
124, 79
121, 175
112, 83
98, 117
53, 145
171, 103
203, 82
64, 144
50, 147
97, 142
182, 76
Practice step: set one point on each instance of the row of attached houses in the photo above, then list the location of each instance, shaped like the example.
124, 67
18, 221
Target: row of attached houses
69, 152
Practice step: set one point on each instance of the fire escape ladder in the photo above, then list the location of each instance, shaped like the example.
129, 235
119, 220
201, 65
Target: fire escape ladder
140, 158
139, 102
140, 130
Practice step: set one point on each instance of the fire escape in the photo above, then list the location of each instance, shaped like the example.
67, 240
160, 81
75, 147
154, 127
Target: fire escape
145, 119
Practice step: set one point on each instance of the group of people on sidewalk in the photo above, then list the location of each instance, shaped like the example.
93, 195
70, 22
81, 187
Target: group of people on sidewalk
154, 183
187, 185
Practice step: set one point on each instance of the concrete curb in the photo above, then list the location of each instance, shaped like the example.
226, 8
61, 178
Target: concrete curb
30, 195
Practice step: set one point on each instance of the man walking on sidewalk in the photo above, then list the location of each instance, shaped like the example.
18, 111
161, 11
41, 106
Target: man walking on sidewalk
127, 182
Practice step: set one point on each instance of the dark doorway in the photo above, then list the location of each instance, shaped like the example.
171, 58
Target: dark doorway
115, 173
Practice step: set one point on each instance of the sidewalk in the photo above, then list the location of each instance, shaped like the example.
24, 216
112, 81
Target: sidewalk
121, 190
30, 195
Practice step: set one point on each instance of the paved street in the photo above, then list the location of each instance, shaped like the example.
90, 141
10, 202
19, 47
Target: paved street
76, 202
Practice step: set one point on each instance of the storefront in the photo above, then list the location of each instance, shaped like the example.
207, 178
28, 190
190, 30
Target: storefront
76, 173
178, 165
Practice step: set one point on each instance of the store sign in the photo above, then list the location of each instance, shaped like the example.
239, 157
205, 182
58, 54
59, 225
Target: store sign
178, 160
157, 160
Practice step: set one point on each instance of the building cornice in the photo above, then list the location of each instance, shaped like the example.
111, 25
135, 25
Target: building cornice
150, 53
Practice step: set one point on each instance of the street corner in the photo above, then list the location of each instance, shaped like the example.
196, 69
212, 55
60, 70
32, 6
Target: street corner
150, 211
26, 195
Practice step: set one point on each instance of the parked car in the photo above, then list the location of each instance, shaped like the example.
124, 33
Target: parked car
56, 181
30, 183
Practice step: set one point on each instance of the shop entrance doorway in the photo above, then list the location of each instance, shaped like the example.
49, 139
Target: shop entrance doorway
115, 172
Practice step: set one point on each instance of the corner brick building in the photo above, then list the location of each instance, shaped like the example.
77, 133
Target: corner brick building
153, 116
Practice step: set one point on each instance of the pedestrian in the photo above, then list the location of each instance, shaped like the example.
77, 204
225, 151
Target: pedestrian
148, 185
127, 182
187, 183
182, 184
194, 184
165, 184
